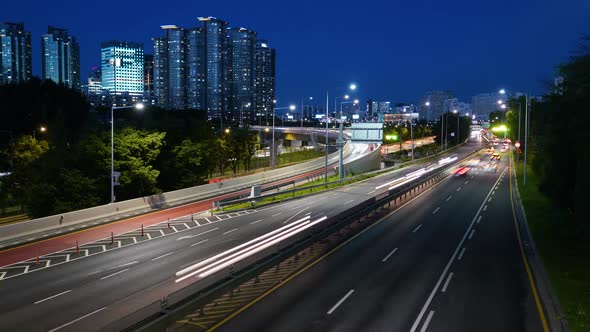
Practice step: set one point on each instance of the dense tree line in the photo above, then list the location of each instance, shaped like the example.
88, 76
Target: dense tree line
66, 166
559, 135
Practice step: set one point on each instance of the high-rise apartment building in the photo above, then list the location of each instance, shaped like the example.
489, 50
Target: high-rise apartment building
242, 44
215, 68
94, 87
149, 95
265, 81
485, 103
15, 53
60, 58
122, 70
439, 103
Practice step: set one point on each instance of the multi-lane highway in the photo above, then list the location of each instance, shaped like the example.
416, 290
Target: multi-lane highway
88, 290
449, 260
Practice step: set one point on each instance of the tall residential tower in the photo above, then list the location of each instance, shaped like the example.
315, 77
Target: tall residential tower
15, 53
60, 57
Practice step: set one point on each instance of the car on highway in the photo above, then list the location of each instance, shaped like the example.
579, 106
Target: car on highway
462, 171
504, 148
490, 150
495, 156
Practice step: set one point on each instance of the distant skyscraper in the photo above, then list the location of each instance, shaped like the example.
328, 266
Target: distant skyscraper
122, 70
214, 68
94, 87
265, 80
15, 53
195, 68
148, 79
60, 57
215, 64
485, 103
439, 104
242, 44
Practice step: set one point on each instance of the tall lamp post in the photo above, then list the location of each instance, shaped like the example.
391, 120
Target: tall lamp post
138, 106
352, 87
273, 154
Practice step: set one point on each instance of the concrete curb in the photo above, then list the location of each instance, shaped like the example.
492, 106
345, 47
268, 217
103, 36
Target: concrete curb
551, 307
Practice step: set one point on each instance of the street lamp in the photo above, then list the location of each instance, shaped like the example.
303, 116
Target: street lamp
272, 155
138, 106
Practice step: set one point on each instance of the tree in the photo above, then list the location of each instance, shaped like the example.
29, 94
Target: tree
26, 151
135, 150
190, 163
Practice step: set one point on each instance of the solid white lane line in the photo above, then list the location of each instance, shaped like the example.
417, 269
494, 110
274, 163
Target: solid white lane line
352, 200
459, 188
126, 264
485, 207
54, 296
389, 255
425, 326
448, 266
77, 319
436, 210
479, 219
194, 244
341, 301
113, 274
444, 289
235, 229
255, 222
449, 198
471, 235
276, 214
461, 254
162, 256
417, 228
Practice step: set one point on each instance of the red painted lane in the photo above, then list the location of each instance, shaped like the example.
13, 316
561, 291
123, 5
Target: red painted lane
51, 245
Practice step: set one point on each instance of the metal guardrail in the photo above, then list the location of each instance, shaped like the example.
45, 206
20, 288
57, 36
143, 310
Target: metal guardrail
185, 296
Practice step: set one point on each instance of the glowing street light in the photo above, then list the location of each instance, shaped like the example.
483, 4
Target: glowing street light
353, 87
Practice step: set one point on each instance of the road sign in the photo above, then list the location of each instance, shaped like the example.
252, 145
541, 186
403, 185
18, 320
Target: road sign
517, 144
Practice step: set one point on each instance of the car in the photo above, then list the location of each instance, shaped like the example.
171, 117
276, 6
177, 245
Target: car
490, 150
495, 156
462, 171
503, 149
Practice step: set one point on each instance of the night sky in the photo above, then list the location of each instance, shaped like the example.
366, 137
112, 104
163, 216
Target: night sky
393, 50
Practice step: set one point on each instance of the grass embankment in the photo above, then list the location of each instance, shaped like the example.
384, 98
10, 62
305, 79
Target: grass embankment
564, 249
302, 192
259, 164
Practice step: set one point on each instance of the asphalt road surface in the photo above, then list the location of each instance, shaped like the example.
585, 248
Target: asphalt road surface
86, 294
447, 261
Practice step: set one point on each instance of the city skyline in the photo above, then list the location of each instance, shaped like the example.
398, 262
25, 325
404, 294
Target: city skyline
405, 54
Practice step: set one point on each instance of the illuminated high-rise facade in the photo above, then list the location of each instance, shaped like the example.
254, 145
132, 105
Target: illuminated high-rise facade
60, 57
15, 53
242, 44
214, 68
265, 81
122, 70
